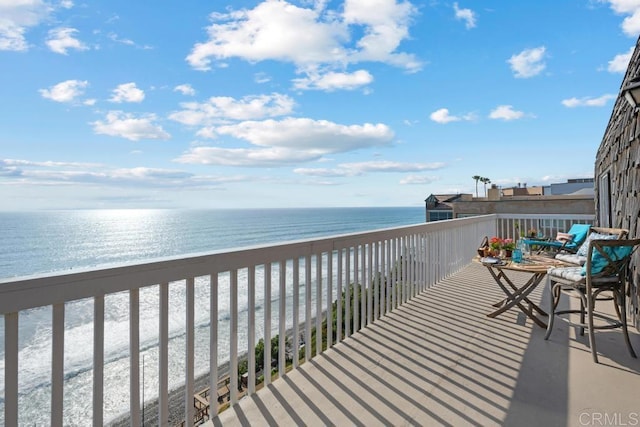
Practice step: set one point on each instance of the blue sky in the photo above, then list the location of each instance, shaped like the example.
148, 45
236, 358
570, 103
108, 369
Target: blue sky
199, 104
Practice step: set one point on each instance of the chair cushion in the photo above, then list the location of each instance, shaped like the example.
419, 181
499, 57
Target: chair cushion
564, 237
584, 249
573, 274
599, 262
580, 232
571, 258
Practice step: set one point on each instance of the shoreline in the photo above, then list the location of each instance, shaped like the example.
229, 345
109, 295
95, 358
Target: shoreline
176, 402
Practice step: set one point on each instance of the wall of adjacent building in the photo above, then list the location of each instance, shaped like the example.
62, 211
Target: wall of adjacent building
619, 158
583, 205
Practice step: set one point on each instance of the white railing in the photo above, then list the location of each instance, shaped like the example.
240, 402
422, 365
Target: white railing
390, 266
514, 225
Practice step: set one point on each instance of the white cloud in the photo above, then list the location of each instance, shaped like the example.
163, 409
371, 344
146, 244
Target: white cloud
630, 24
620, 62
62, 39
386, 25
221, 108
130, 127
261, 78
185, 89
320, 136
361, 168
588, 102
289, 141
66, 91
16, 17
334, 80
307, 37
127, 92
49, 172
505, 112
418, 180
466, 15
442, 116
528, 63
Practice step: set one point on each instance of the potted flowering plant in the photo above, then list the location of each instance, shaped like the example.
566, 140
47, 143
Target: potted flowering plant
495, 244
508, 245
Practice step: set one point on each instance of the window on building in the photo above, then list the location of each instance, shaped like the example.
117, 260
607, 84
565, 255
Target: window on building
440, 215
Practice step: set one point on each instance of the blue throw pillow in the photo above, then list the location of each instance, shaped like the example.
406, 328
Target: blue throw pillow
599, 262
584, 248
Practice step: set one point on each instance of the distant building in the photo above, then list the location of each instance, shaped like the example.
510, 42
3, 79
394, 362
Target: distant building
522, 190
576, 196
572, 186
440, 206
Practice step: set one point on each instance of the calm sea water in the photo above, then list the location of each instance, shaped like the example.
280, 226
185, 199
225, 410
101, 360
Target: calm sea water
44, 242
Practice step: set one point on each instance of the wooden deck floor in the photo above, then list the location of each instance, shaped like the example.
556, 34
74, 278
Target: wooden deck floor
438, 360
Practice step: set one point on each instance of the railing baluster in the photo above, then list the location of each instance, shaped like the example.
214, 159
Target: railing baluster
251, 328
282, 320
233, 337
213, 343
11, 369
339, 301
376, 278
369, 282
347, 294
394, 275
364, 287
307, 308
189, 387
329, 299
318, 303
57, 364
163, 357
390, 277
296, 311
356, 290
134, 356
267, 324
98, 360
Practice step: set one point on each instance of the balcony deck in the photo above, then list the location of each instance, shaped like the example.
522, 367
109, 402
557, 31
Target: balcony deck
438, 360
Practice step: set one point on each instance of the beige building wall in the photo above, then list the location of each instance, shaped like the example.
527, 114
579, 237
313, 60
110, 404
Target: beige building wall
564, 204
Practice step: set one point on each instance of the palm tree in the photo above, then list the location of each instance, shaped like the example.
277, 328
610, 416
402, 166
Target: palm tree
485, 181
477, 178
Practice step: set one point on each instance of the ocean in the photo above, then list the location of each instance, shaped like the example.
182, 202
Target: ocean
54, 241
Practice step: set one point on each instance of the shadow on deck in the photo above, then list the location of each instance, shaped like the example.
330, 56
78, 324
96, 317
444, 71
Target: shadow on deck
438, 360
